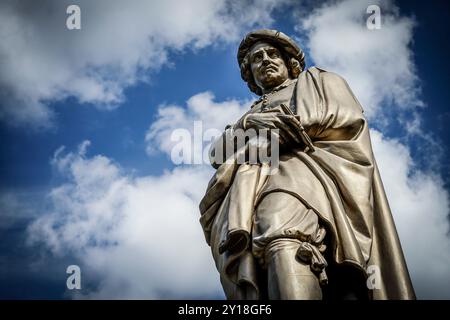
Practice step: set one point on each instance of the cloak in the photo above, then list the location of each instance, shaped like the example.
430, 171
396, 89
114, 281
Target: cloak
339, 180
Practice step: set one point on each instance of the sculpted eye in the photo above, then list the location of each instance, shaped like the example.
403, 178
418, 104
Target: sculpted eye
274, 54
257, 57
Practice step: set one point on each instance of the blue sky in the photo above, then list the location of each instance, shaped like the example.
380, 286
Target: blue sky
108, 204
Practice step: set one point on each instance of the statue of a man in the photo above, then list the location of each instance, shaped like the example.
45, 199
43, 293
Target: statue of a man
320, 227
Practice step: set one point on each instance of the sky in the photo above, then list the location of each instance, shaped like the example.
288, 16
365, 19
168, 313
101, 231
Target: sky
87, 175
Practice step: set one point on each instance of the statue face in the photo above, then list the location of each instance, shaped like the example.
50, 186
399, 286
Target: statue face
267, 65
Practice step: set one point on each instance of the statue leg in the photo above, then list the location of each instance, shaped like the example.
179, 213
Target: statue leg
289, 278
281, 223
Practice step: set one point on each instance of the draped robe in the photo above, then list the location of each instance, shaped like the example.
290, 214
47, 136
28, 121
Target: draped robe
339, 180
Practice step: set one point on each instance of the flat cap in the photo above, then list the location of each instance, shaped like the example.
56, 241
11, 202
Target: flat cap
275, 37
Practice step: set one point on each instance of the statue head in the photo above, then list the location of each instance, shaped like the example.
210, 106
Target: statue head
267, 58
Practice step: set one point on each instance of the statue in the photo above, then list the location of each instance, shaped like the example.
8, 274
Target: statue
320, 227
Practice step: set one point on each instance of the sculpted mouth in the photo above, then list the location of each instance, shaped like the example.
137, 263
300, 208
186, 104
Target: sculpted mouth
270, 68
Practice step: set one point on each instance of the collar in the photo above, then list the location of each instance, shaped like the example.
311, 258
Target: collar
285, 84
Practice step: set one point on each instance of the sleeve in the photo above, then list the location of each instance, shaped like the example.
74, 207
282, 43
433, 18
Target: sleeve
230, 143
218, 148
341, 114
218, 152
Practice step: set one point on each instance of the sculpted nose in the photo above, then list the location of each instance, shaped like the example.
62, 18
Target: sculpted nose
265, 59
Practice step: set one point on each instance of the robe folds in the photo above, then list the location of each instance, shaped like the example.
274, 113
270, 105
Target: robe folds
339, 181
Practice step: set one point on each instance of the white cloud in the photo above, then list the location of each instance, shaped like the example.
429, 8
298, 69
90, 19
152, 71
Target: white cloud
420, 206
118, 44
378, 64
139, 235
200, 107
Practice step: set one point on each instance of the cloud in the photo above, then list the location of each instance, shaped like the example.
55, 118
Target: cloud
378, 64
139, 235
119, 44
200, 108
420, 205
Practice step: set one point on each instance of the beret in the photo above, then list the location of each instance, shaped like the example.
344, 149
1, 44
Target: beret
279, 39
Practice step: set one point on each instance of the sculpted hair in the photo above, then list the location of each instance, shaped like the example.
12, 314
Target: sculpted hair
294, 66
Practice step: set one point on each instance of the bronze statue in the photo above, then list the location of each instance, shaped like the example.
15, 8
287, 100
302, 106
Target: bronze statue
314, 228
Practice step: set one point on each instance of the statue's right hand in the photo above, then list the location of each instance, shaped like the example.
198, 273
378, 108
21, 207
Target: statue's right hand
259, 121
273, 120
